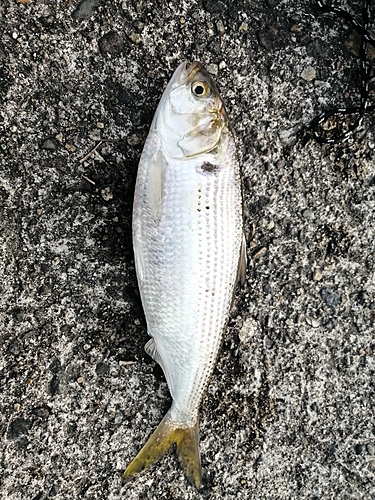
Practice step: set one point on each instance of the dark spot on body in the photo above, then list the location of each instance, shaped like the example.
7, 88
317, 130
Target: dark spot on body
209, 168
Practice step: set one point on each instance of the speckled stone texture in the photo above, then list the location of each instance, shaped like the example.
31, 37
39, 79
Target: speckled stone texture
289, 413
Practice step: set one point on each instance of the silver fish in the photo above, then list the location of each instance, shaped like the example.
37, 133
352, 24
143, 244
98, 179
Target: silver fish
189, 251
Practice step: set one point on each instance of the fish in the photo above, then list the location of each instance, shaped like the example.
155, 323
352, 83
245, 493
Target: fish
189, 251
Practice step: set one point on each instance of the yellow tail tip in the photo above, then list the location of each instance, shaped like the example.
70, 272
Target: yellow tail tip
167, 433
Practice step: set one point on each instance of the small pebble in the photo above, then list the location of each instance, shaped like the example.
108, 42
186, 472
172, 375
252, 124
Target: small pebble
220, 27
295, 29
260, 253
317, 276
248, 330
244, 27
85, 9
106, 194
133, 140
330, 298
134, 37
302, 236
288, 137
358, 449
322, 85
370, 449
70, 147
102, 368
138, 25
111, 43
308, 74
314, 322
95, 135
308, 214
213, 69
268, 342
49, 144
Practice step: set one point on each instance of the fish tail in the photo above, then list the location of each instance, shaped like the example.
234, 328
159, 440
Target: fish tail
188, 453
167, 433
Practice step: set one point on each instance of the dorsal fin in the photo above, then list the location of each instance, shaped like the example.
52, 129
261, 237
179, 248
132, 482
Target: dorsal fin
241, 273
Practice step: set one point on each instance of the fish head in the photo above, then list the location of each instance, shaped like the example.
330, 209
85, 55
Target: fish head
191, 117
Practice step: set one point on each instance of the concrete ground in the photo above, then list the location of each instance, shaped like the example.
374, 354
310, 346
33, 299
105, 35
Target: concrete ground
289, 413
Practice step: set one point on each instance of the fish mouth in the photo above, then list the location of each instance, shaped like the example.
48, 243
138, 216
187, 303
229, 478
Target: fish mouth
196, 71
192, 69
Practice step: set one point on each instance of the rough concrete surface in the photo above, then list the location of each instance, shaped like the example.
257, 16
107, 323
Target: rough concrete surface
289, 413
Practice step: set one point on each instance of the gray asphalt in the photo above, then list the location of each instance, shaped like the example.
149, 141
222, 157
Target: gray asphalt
289, 413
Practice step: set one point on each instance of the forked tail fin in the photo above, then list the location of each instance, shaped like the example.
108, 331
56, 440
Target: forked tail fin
167, 433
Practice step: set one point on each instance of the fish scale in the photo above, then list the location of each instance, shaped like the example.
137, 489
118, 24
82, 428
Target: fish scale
185, 311
188, 243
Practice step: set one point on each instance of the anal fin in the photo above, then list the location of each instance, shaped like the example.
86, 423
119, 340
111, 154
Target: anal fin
152, 351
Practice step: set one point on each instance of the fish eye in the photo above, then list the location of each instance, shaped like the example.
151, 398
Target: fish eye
201, 89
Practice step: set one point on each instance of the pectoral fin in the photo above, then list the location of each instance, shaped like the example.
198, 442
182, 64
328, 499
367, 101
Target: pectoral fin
148, 199
155, 184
